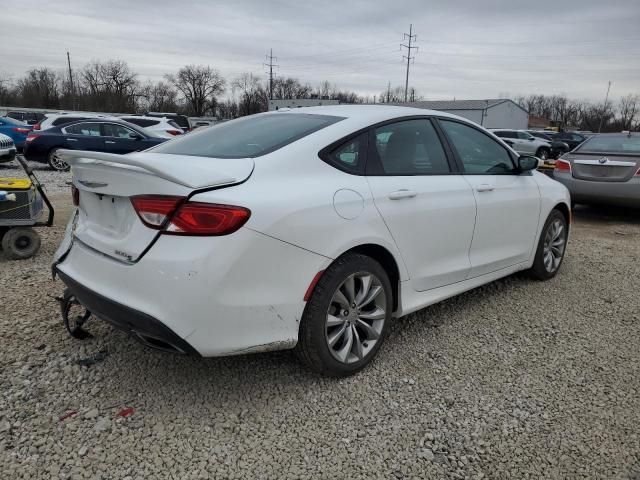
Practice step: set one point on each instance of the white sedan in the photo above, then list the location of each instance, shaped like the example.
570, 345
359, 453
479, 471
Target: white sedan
309, 229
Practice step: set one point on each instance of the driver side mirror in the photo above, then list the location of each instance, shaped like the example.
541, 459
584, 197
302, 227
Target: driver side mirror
526, 163
531, 139
135, 136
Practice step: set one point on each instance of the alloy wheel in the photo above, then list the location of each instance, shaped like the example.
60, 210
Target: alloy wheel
356, 317
554, 244
56, 161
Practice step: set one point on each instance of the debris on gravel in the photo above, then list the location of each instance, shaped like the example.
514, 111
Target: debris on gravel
517, 379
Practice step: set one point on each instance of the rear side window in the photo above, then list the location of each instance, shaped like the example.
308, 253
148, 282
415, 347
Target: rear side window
142, 122
350, 156
91, 129
410, 147
502, 134
248, 136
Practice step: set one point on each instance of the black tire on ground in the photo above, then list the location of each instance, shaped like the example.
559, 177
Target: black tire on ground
312, 348
20, 242
55, 163
543, 153
538, 270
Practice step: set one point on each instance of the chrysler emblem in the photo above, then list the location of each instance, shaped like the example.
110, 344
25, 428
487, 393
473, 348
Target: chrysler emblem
603, 160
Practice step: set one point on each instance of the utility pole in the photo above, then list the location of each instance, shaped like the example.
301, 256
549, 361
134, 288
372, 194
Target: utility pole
271, 58
412, 37
604, 110
389, 92
73, 100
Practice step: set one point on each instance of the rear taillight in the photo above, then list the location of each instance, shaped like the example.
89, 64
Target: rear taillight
563, 166
75, 195
31, 137
638, 173
174, 132
175, 216
37, 126
21, 130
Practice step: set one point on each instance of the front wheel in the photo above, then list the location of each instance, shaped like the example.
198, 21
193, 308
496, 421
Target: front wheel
551, 247
347, 317
56, 162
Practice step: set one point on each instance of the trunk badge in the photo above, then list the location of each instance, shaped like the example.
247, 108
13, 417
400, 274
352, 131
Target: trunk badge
90, 184
603, 160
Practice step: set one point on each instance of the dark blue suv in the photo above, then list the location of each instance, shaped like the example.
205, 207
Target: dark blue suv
96, 135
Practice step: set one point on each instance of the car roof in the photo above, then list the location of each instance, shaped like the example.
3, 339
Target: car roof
144, 117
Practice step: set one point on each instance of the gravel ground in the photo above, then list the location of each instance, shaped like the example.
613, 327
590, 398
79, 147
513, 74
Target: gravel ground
517, 379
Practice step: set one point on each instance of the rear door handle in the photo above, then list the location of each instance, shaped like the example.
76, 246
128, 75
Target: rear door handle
109, 141
72, 139
485, 187
400, 194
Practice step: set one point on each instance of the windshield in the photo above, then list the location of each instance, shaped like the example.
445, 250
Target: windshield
612, 144
249, 136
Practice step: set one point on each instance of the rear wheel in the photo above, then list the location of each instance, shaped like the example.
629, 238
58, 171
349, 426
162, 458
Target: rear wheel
56, 162
543, 153
551, 247
347, 317
20, 243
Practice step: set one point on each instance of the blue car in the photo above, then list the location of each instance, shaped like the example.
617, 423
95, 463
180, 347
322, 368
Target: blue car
15, 129
96, 135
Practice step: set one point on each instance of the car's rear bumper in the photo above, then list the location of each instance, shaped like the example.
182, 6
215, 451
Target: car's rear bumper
626, 194
215, 296
139, 325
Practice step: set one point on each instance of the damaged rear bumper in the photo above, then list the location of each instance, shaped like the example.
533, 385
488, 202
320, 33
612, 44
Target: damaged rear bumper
139, 325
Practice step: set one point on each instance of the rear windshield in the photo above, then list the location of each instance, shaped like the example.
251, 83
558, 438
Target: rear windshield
249, 136
611, 144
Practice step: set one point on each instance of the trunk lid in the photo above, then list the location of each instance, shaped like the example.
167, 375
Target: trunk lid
599, 167
107, 221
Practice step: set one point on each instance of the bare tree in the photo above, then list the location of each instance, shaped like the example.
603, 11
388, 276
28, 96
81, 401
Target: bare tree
109, 87
158, 97
629, 110
40, 87
253, 97
290, 88
199, 85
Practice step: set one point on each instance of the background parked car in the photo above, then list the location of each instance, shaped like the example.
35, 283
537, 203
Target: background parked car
58, 119
7, 149
98, 135
161, 125
181, 120
30, 118
573, 139
15, 129
524, 143
604, 169
558, 148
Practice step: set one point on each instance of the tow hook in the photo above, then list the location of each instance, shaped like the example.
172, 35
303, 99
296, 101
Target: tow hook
74, 315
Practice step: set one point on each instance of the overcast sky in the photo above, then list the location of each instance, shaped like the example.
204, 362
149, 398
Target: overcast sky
467, 48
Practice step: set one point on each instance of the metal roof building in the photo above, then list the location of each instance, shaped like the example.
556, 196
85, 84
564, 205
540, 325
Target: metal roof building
490, 113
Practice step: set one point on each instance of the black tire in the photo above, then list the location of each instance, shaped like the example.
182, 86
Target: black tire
543, 153
539, 271
56, 164
20, 242
313, 348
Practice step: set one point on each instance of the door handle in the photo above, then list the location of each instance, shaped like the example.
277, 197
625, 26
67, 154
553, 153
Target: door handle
72, 139
485, 187
400, 194
109, 141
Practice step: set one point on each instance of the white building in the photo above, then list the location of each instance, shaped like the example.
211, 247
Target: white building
492, 113
300, 102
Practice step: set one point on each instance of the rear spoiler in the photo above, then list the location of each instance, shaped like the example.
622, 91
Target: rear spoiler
202, 171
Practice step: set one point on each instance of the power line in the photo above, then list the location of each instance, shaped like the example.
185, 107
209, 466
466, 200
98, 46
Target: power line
411, 37
271, 58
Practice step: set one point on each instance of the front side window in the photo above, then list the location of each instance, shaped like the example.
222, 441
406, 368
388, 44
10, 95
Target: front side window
524, 136
251, 136
90, 129
118, 131
410, 147
479, 153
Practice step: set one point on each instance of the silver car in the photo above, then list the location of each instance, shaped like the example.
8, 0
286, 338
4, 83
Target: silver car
524, 143
603, 169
